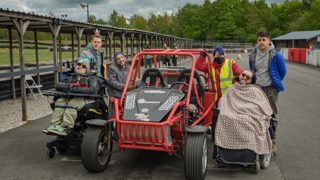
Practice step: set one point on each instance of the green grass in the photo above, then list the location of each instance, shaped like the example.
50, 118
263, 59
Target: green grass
30, 56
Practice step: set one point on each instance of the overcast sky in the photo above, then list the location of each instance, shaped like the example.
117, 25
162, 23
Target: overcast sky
99, 8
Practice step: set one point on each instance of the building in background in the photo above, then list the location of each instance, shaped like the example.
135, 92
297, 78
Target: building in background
298, 39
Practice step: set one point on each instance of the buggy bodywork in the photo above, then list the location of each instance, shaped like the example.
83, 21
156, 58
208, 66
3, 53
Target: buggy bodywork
172, 118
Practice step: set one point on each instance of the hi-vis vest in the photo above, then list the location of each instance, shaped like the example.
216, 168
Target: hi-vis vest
226, 77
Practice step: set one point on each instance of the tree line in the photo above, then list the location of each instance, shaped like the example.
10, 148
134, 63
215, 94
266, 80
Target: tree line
237, 20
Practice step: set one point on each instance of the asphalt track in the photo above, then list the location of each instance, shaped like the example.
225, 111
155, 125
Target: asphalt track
23, 150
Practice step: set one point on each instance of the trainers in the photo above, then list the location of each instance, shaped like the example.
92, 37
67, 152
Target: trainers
49, 128
58, 130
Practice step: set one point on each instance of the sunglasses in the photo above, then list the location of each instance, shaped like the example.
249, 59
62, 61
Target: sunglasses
246, 76
82, 65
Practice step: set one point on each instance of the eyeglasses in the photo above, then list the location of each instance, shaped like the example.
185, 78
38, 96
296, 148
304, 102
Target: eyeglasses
244, 75
82, 65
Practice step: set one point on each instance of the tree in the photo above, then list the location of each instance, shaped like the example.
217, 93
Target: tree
117, 20
94, 20
139, 22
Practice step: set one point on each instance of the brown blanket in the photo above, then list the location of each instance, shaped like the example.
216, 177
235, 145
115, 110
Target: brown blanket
244, 118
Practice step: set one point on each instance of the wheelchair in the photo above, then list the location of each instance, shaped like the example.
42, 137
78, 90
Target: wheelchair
72, 142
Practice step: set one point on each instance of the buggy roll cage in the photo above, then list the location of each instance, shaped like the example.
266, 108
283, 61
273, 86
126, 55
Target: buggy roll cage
136, 63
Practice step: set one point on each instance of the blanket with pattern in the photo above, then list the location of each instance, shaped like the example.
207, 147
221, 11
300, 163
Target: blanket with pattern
244, 118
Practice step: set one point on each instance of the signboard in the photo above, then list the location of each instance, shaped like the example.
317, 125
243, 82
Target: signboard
318, 38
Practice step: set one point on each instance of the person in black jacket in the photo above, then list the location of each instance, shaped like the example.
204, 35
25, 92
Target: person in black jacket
117, 76
65, 111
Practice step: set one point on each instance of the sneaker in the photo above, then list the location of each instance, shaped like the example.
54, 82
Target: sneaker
46, 131
58, 130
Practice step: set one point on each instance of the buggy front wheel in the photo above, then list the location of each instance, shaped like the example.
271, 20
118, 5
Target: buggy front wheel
96, 148
196, 156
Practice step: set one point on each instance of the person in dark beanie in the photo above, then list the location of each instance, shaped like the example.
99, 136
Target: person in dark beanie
117, 75
270, 69
222, 69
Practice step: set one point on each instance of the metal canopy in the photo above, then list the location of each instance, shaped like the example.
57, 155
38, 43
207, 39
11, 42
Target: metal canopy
22, 22
40, 23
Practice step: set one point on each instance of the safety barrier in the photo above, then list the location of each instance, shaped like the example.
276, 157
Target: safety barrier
302, 55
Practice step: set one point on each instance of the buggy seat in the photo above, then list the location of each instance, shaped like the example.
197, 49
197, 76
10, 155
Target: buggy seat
153, 77
185, 77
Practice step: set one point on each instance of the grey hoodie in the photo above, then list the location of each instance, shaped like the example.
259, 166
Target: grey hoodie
96, 58
262, 61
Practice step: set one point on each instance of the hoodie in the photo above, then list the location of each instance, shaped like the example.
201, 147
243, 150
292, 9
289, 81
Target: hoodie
276, 67
96, 58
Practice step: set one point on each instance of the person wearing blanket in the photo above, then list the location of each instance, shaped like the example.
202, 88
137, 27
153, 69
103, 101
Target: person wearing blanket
244, 118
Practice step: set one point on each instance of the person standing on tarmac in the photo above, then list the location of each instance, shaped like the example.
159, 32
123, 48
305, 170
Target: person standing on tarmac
166, 58
175, 57
95, 55
223, 70
270, 69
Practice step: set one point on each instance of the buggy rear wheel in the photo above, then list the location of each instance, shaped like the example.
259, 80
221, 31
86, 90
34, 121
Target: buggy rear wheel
96, 148
196, 156
265, 161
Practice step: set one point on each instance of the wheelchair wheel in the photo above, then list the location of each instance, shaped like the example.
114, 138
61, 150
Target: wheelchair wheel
265, 160
51, 152
196, 156
96, 148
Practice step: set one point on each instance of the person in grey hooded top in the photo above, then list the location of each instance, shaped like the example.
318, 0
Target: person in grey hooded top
95, 55
270, 70
117, 76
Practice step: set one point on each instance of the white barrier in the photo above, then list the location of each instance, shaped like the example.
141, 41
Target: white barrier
284, 52
313, 57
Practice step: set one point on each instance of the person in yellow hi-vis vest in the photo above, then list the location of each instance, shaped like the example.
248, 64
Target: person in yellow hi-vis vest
223, 70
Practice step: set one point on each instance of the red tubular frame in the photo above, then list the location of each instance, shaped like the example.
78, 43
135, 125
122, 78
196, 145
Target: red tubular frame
152, 135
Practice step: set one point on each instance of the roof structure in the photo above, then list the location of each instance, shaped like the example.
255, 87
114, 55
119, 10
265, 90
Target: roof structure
299, 35
41, 23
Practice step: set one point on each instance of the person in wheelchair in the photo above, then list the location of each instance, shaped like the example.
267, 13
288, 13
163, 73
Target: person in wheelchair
82, 81
244, 117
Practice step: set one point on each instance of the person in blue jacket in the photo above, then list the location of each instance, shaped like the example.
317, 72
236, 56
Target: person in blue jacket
269, 68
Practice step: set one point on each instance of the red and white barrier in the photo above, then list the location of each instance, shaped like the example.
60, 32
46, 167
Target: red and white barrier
301, 55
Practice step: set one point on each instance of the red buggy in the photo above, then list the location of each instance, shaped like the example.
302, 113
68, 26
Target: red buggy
170, 111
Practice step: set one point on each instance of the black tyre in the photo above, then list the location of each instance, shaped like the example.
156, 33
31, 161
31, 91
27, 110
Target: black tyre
51, 152
196, 156
61, 148
96, 148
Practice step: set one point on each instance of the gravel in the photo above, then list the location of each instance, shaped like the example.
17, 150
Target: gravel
11, 111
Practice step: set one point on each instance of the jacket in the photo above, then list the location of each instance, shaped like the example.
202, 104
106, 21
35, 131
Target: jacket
117, 77
96, 58
82, 84
277, 67
203, 66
